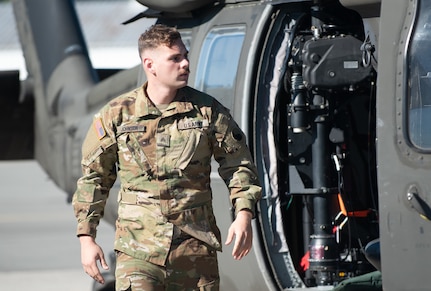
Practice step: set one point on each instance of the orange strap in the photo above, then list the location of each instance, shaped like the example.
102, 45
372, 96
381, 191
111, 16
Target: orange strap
360, 213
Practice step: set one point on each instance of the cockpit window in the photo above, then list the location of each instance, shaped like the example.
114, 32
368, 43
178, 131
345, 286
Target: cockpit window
419, 80
218, 63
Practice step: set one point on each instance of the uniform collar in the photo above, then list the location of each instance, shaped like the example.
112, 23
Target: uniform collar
143, 104
180, 104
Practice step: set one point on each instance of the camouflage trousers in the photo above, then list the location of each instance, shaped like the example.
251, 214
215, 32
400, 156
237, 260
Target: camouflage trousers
191, 265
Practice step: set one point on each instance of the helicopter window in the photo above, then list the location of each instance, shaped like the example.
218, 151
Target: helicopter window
419, 79
218, 63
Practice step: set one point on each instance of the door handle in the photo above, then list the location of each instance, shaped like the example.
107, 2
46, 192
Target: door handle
418, 204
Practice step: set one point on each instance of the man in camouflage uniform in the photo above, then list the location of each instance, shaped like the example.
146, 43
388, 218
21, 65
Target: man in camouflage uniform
160, 138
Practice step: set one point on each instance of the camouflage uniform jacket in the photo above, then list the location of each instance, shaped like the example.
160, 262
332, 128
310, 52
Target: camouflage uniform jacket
163, 162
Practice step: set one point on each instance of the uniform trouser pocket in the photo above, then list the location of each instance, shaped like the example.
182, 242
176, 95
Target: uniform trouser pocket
132, 274
191, 265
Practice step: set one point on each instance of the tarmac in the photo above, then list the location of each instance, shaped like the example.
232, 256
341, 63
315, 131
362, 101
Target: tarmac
39, 250
38, 246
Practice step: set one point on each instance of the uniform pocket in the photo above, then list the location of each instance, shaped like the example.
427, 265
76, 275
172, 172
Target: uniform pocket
122, 284
199, 222
184, 146
191, 247
135, 144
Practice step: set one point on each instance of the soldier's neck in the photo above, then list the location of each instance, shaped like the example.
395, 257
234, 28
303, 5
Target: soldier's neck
161, 95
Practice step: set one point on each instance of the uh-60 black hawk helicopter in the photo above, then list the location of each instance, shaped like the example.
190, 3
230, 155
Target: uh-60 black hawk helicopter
335, 98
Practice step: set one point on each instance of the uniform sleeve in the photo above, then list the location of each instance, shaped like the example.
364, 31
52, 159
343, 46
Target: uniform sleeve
99, 158
236, 165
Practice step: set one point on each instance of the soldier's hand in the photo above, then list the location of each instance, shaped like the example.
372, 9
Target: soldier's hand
242, 231
91, 252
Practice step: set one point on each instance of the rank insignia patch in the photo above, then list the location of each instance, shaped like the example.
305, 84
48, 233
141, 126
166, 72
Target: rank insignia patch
163, 140
98, 126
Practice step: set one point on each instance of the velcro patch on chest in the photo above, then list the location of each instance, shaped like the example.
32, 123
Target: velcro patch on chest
132, 128
189, 124
163, 140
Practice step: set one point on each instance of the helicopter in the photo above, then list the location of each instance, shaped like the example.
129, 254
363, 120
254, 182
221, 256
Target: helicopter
332, 96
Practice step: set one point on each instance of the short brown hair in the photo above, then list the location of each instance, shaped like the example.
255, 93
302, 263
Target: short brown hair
157, 35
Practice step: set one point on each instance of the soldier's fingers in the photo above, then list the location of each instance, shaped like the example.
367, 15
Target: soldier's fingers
246, 250
243, 254
94, 273
229, 237
103, 262
244, 247
238, 247
99, 278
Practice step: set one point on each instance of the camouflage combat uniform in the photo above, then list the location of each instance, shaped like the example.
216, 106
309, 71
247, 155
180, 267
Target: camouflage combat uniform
163, 162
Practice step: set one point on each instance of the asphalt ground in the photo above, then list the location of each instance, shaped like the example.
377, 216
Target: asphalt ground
38, 247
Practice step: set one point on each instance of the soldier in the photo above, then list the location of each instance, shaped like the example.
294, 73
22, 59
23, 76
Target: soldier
159, 139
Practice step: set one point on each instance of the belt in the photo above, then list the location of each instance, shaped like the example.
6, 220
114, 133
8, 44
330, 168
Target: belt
172, 174
139, 198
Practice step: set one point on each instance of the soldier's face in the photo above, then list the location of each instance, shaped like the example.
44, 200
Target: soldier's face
171, 65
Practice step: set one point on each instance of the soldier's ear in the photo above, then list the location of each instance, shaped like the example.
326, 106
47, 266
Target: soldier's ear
148, 65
